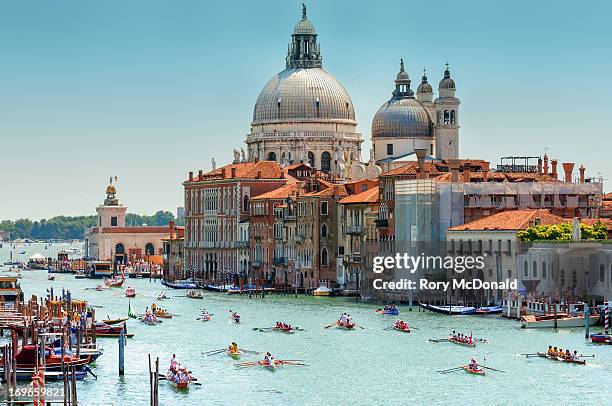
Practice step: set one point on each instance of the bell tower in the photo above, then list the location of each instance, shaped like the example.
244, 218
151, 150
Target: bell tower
447, 119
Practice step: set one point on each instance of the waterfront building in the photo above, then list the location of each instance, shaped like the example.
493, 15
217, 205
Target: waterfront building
174, 254
495, 238
112, 240
406, 123
305, 115
358, 234
217, 211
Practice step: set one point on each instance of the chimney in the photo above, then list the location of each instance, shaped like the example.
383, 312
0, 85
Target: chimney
420, 153
223, 172
581, 169
190, 176
171, 225
233, 172
554, 168
466, 173
426, 169
545, 164
485, 171
538, 221
540, 166
453, 166
258, 174
568, 167
200, 173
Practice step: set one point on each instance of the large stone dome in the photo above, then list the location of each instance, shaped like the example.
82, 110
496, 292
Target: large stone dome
402, 117
303, 94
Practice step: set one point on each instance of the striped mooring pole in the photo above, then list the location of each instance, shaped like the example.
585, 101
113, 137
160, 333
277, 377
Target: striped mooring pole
606, 317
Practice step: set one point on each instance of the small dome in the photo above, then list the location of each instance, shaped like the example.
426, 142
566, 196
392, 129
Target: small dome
401, 117
304, 27
447, 82
424, 87
110, 190
402, 75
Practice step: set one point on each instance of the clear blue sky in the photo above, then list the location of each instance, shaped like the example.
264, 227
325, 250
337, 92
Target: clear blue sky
148, 90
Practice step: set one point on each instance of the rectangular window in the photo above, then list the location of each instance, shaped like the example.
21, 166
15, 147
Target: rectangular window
113, 221
324, 208
389, 149
340, 250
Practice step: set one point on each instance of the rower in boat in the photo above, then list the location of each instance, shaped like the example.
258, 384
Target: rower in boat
268, 359
402, 325
236, 317
575, 357
473, 363
233, 347
173, 363
551, 351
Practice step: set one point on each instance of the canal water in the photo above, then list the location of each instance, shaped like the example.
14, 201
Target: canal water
366, 366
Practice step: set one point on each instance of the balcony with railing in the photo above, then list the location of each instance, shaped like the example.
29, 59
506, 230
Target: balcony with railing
355, 230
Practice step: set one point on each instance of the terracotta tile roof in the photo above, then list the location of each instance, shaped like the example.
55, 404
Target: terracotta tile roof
408, 169
247, 170
511, 220
282, 192
607, 205
608, 196
369, 196
331, 190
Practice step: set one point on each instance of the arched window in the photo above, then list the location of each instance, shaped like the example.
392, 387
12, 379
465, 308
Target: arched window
245, 203
535, 269
452, 117
543, 270
525, 269
324, 231
324, 261
119, 249
574, 278
272, 156
602, 273
446, 116
325, 162
311, 159
149, 249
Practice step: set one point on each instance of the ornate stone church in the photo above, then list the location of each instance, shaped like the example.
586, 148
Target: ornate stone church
305, 115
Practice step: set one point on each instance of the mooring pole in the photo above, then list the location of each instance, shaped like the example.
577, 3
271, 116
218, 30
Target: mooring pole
555, 313
121, 352
587, 320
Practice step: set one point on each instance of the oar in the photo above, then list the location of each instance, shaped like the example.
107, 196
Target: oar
250, 351
248, 364
262, 328
480, 340
587, 356
444, 371
212, 352
331, 325
363, 328
492, 369
284, 362
441, 340
529, 354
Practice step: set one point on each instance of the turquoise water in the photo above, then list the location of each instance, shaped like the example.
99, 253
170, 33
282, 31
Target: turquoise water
364, 366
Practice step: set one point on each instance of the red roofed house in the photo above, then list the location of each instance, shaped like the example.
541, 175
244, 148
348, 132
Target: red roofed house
217, 212
358, 232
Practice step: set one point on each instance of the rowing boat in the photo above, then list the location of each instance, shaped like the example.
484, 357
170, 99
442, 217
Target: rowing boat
601, 338
390, 312
270, 366
110, 322
234, 354
127, 335
347, 326
475, 371
161, 313
560, 359
403, 330
284, 330
457, 310
179, 380
452, 339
